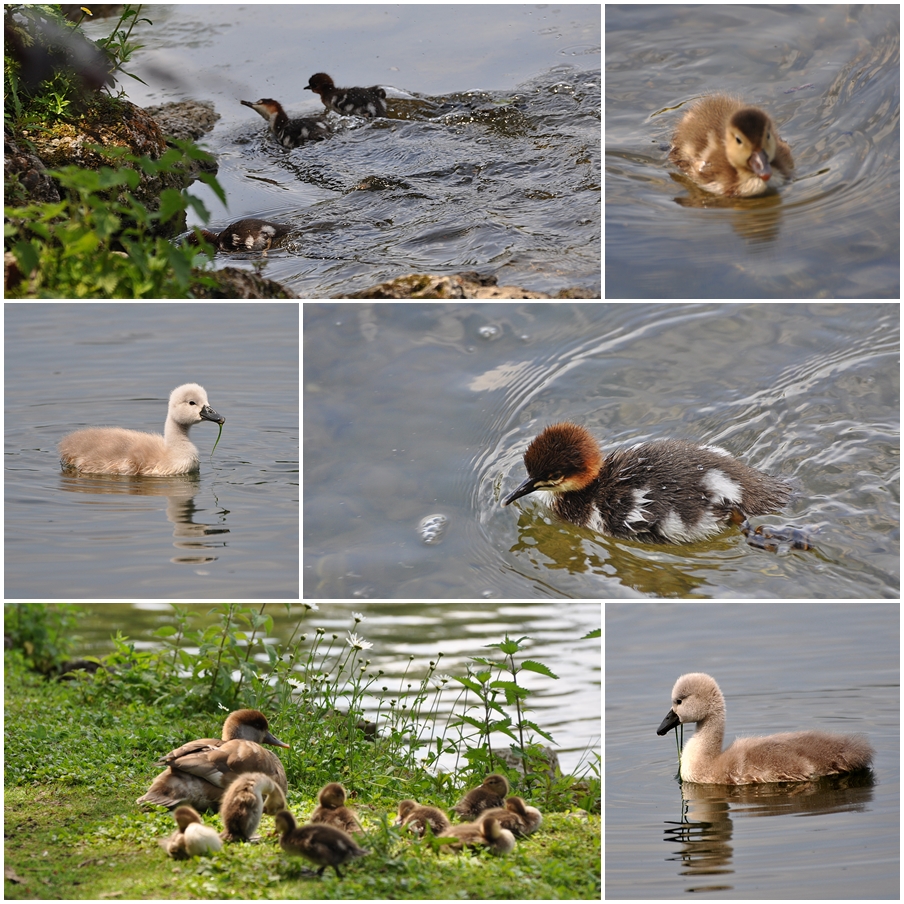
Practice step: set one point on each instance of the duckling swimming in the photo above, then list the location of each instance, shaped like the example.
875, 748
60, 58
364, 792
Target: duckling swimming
411, 813
321, 844
490, 794
243, 804
332, 810
192, 838
199, 772
516, 816
485, 833
730, 148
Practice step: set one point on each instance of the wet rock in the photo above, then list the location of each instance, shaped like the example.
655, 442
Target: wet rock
460, 285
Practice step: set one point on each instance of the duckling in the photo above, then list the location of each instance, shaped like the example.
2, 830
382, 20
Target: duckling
243, 804
730, 148
197, 773
321, 844
411, 813
485, 833
332, 810
490, 794
516, 816
192, 838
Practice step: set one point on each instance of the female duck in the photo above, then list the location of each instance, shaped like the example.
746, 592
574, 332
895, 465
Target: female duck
730, 148
332, 810
199, 772
243, 804
796, 756
321, 844
192, 838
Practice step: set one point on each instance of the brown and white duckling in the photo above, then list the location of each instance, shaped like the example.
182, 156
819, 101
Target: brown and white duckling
516, 816
484, 833
490, 794
243, 805
730, 148
198, 773
366, 102
332, 810
250, 234
192, 838
321, 844
411, 813
290, 133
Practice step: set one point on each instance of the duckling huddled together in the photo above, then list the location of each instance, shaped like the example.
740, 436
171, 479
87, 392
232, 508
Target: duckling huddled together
236, 775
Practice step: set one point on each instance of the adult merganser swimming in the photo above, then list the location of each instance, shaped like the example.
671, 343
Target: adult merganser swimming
290, 133
666, 491
366, 102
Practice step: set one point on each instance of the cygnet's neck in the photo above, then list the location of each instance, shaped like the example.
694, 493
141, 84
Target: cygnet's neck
706, 744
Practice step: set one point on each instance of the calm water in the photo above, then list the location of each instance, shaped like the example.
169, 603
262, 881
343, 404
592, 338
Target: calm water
830, 76
231, 532
569, 708
416, 410
490, 161
782, 667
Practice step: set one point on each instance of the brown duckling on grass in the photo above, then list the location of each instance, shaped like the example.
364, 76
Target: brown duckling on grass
411, 813
516, 816
321, 844
243, 804
490, 794
332, 810
198, 772
192, 838
484, 833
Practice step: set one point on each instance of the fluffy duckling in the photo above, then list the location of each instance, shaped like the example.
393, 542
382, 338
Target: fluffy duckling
321, 844
490, 794
198, 773
411, 813
243, 805
332, 810
192, 838
730, 148
516, 816
485, 833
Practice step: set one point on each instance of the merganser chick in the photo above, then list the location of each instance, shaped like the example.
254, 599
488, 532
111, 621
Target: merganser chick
332, 810
490, 794
192, 838
321, 844
411, 813
730, 148
290, 133
667, 491
366, 102
244, 235
243, 805
199, 772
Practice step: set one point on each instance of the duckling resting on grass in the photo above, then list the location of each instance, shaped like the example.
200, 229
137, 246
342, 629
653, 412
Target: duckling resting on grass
192, 838
332, 810
490, 794
321, 844
411, 813
516, 816
243, 804
484, 833
197, 773
730, 148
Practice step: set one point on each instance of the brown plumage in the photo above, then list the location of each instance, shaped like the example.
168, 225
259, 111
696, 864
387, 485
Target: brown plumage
332, 810
485, 833
516, 816
191, 838
730, 148
198, 772
411, 813
796, 756
490, 794
321, 844
243, 804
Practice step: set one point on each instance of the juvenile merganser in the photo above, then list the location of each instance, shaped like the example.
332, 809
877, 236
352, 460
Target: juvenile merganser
367, 102
667, 491
290, 133
244, 235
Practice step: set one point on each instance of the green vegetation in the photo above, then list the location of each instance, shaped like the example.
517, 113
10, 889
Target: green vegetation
78, 754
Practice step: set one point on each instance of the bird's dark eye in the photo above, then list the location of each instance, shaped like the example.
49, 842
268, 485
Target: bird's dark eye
737, 138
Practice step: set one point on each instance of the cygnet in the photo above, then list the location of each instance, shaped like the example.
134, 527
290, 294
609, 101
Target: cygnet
113, 450
796, 756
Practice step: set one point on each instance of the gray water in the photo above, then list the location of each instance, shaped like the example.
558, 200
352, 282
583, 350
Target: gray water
830, 77
490, 159
781, 667
229, 532
416, 410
